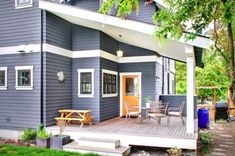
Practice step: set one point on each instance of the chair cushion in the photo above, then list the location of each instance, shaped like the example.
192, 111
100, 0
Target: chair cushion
174, 113
133, 113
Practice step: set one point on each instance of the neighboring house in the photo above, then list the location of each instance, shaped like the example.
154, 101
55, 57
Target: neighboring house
42, 41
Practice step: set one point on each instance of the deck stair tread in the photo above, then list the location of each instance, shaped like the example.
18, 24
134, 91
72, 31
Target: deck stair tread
97, 140
74, 146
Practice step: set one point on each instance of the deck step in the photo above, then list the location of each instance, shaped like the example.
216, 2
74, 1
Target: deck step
97, 142
119, 151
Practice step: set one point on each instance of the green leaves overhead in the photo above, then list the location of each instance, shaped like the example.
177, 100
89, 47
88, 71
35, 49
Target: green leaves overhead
123, 7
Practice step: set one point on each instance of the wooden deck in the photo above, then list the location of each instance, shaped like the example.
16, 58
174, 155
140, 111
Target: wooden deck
131, 133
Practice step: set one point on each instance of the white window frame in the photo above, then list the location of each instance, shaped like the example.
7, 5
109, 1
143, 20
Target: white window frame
5, 70
113, 73
17, 68
90, 70
20, 6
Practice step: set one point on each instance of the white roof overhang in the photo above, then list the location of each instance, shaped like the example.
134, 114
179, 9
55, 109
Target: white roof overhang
134, 33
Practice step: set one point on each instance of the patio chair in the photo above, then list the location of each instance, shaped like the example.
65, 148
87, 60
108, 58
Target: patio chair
130, 111
176, 111
157, 112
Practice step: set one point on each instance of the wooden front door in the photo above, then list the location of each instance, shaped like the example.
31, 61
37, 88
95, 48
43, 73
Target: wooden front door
131, 90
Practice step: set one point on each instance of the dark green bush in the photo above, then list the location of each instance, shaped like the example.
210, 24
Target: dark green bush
29, 135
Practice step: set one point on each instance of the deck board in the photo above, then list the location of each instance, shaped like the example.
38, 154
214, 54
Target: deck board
129, 126
140, 134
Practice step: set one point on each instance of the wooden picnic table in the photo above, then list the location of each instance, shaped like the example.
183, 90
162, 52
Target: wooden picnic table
68, 115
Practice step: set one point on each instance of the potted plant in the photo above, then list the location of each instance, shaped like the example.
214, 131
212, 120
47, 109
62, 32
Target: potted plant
57, 141
29, 135
43, 137
147, 101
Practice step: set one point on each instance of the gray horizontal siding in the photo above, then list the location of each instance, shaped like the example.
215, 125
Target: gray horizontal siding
148, 76
91, 5
58, 31
18, 108
87, 103
19, 26
144, 14
57, 95
85, 38
109, 106
110, 45
176, 100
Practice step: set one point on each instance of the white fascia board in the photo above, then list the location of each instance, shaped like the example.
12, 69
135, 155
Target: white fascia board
96, 17
102, 20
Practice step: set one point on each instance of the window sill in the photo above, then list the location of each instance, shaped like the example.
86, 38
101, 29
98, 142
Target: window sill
109, 95
24, 88
24, 6
86, 96
3, 88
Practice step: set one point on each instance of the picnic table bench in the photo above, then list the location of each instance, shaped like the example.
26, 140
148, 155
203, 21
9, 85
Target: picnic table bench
68, 115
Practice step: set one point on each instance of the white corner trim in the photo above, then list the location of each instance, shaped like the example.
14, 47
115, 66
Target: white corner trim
113, 73
31, 76
5, 85
92, 83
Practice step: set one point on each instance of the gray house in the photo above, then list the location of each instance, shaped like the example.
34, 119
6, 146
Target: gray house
55, 56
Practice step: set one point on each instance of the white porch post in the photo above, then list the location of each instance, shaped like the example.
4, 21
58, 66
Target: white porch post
189, 50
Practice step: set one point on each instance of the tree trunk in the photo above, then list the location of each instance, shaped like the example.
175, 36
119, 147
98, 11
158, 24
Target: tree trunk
231, 62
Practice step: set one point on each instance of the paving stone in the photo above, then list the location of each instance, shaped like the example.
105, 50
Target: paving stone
217, 154
228, 143
225, 146
219, 150
220, 128
225, 135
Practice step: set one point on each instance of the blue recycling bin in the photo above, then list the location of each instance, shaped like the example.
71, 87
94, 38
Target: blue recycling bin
203, 118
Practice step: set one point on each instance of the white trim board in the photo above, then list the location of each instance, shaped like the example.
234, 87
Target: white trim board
82, 54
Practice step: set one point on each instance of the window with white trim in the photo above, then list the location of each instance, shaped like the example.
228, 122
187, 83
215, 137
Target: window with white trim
24, 77
109, 83
85, 82
23, 3
3, 78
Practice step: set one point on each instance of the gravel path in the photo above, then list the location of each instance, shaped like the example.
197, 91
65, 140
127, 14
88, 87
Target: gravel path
224, 139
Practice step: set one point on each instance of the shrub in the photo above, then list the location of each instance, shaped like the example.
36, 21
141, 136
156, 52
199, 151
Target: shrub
205, 138
29, 135
42, 133
175, 151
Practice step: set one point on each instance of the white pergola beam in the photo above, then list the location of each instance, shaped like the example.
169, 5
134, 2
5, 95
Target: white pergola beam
190, 61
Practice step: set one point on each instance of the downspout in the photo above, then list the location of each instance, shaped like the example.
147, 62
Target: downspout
41, 85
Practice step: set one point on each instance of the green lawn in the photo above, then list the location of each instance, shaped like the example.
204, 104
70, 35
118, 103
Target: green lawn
10, 150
